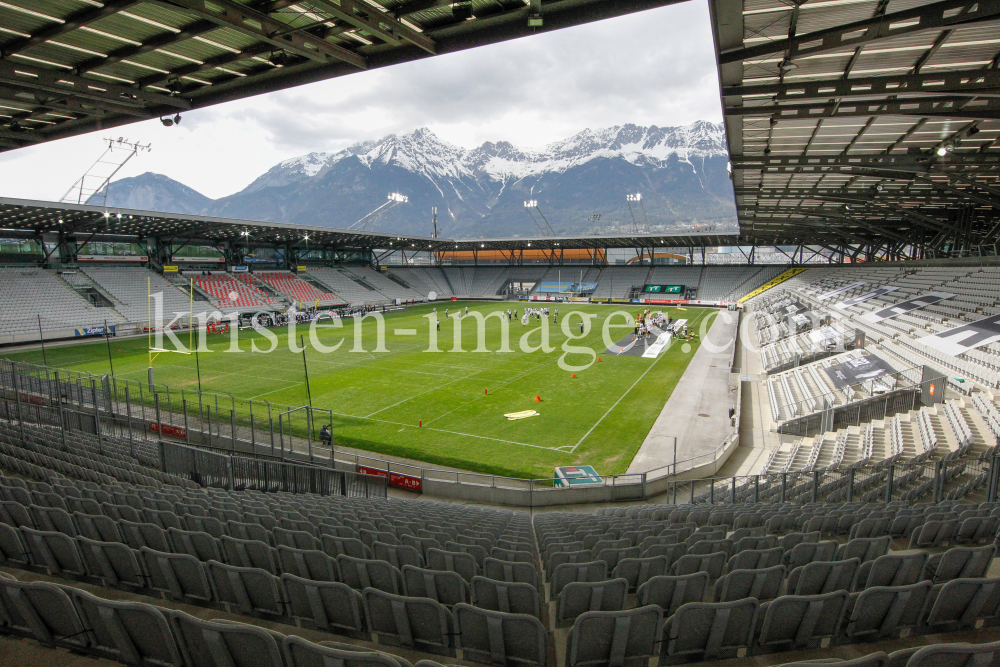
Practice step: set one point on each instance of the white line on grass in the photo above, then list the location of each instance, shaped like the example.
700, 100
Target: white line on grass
585, 435
420, 394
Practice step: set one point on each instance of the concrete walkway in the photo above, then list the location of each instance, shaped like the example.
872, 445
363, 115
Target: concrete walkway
697, 412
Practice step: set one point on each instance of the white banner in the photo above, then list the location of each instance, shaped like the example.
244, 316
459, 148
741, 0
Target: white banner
966, 337
864, 297
824, 297
906, 306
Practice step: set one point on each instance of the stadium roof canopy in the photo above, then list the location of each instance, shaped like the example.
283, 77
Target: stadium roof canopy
26, 218
73, 66
868, 126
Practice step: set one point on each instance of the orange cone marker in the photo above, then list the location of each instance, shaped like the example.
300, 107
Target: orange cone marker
538, 398
420, 423
574, 374
598, 358
486, 392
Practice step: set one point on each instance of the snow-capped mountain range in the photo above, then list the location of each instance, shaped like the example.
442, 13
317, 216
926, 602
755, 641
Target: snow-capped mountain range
580, 184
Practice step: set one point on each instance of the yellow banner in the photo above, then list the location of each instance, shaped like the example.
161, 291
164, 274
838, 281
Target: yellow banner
300, 269
773, 282
170, 269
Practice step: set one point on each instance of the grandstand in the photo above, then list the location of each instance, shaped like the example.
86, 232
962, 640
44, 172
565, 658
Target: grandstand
30, 294
131, 287
234, 292
287, 284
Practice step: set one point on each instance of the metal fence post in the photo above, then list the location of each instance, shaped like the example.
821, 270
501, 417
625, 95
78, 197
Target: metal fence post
184, 407
692, 492
815, 494
756, 489
62, 417
711, 492
734, 490
991, 492
938, 480
850, 484
232, 422
17, 397
888, 483
128, 410
253, 439
159, 424
784, 485
97, 417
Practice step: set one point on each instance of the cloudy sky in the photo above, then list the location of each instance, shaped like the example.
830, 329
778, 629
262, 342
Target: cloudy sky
651, 68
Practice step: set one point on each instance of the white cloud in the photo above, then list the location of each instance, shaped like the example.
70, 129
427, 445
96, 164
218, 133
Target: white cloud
651, 68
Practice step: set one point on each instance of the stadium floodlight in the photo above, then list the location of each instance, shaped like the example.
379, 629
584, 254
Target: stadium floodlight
942, 151
636, 197
395, 196
531, 203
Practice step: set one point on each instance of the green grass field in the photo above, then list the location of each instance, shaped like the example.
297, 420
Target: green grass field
599, 418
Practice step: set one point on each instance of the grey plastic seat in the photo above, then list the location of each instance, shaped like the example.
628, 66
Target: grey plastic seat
522, 555
705, 547
360, 573
54, 519
201, 545
218, 643
308, 564
670, 592
883, 611
755, 559
181, 576
791, 540
138, 535
638, 571
959, 563
452, 561
877, 659
869, 527
129, 632
510, 598
615, 638
250, 590
249, 553
164, 519
448, 588
760, 584
823, 577
960, 603
708, 631
956, 655
113, 562
421, 544
933, 533
13, 551
499, 638
713, 564
300, 652
801, 621
398, 554
755, 542
891, 570
325, 605
48, 613
297, 539
418, 623
56, 552
15, 514
519, 571
810, 552
560, 557
250, 531
864, 548
570, 572
579, 597
206, 524
346, 546
97, 527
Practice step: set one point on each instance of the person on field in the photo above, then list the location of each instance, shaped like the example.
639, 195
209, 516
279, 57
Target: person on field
466, 310
325, 436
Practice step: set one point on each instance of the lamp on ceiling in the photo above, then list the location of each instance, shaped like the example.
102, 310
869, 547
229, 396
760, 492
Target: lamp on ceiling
168, 121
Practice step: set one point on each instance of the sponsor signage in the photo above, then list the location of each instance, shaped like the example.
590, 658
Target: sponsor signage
773, 282
567, 476
966, 337
663, 289
906, 306
167, 429
300, 269
170, 269
864, 297
395, 479
240, 268
854, 371
112, 258
94, 331
261, 260
566, 287
200, 260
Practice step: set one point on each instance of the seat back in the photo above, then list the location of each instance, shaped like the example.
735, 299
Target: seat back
129, 632
505, 570
418, 623
670, 592
361, 573
709, 630
579, 597
760, 584
823, 577
327, 605
501, 638
883, 611
448, 588
615, 638
802, 621
892, 570
209, 643
510, 598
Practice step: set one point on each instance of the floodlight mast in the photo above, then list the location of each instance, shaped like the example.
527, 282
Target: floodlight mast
533, 204
637, 197
114, 157
394, 198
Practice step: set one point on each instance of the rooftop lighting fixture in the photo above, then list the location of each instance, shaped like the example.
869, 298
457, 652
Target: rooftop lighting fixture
531, 203
636, 197
942, 151
395, 196
167, 122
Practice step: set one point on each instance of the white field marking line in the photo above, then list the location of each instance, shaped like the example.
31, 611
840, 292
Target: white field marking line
420, 394
499, 386
440, 430
291, 382
627, 393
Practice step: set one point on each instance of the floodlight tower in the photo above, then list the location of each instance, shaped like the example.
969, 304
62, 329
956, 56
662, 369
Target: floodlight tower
434, 213
637, 197
393, 200
533, 204
92, 187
